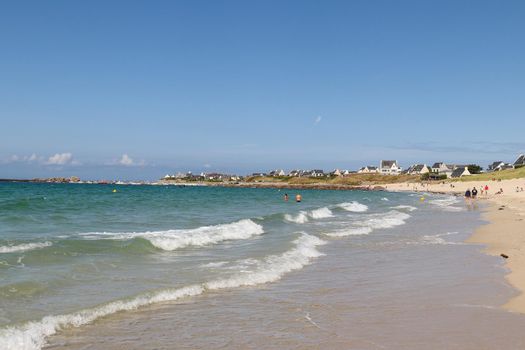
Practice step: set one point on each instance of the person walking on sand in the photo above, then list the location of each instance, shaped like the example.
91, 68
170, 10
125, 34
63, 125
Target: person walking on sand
486, 190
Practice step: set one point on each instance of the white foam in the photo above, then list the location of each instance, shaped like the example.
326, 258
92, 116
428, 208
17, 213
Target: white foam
372, 222
213, 265
350, 232
32, 335
385, 199
353, 206
447, 203
201, 236
405, 207
300, 218
321, 213
24, 247
303, 216
273, 267
437, 239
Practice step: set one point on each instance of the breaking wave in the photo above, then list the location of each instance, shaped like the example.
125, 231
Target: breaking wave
321, 213
32, 335
24, 247
300, 218
372, 222
201, 236
405, 207
304, 216
447, 203
353, 206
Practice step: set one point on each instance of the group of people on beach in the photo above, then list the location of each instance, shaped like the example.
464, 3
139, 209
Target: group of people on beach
472, 194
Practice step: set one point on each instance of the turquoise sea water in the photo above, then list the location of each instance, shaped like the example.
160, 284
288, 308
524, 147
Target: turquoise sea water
72, 254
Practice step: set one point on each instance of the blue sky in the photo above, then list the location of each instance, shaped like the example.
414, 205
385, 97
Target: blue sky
135, 89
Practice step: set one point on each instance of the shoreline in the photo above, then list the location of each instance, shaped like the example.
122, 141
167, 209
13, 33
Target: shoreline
502, 235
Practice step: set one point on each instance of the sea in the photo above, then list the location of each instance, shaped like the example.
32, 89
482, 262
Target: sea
85, 266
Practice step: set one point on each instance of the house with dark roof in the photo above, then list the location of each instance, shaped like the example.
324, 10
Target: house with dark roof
277, 172
389, 167
418, 169
499, 165
460, 171
441, 168
520, 161
317, 173
368, 169
296, 173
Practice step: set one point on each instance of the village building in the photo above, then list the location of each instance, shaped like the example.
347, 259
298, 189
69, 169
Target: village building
278, 172
520, 161
389, 167
460, 171
418, 169
499, 165
443, 169
368, 169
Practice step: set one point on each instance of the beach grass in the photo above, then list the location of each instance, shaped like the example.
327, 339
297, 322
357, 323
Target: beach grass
496, 175
351, 180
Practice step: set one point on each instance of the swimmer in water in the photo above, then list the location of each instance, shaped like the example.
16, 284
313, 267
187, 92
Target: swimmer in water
298, 198
286, 197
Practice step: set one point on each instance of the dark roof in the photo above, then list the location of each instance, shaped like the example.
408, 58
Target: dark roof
494, 165
387, 163
520, 160
372, 167
417, 167
437, 165
457, 172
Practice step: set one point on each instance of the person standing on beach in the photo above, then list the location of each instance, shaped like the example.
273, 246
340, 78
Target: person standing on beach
474, 193
486, 190
467, 194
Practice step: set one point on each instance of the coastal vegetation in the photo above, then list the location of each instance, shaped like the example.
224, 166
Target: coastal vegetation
348, 180
508, 174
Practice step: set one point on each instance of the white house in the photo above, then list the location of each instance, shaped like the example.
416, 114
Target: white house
520, 161
314, 173
499, 165
418, 169
389, 167
460, 171
368, 169
336, 172
278, 172
443, 169
296, 173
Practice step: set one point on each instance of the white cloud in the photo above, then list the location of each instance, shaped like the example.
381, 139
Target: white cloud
126, 160
318, 119
60, 159
207, 166
32, 158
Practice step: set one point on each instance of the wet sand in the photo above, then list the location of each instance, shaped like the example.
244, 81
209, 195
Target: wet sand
505, 231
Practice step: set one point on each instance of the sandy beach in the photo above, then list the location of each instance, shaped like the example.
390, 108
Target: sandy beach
504, 232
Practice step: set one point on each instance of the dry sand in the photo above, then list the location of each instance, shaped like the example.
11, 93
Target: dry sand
505, 232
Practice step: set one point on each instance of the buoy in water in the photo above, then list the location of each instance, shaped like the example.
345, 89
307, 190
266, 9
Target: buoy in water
114, 191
